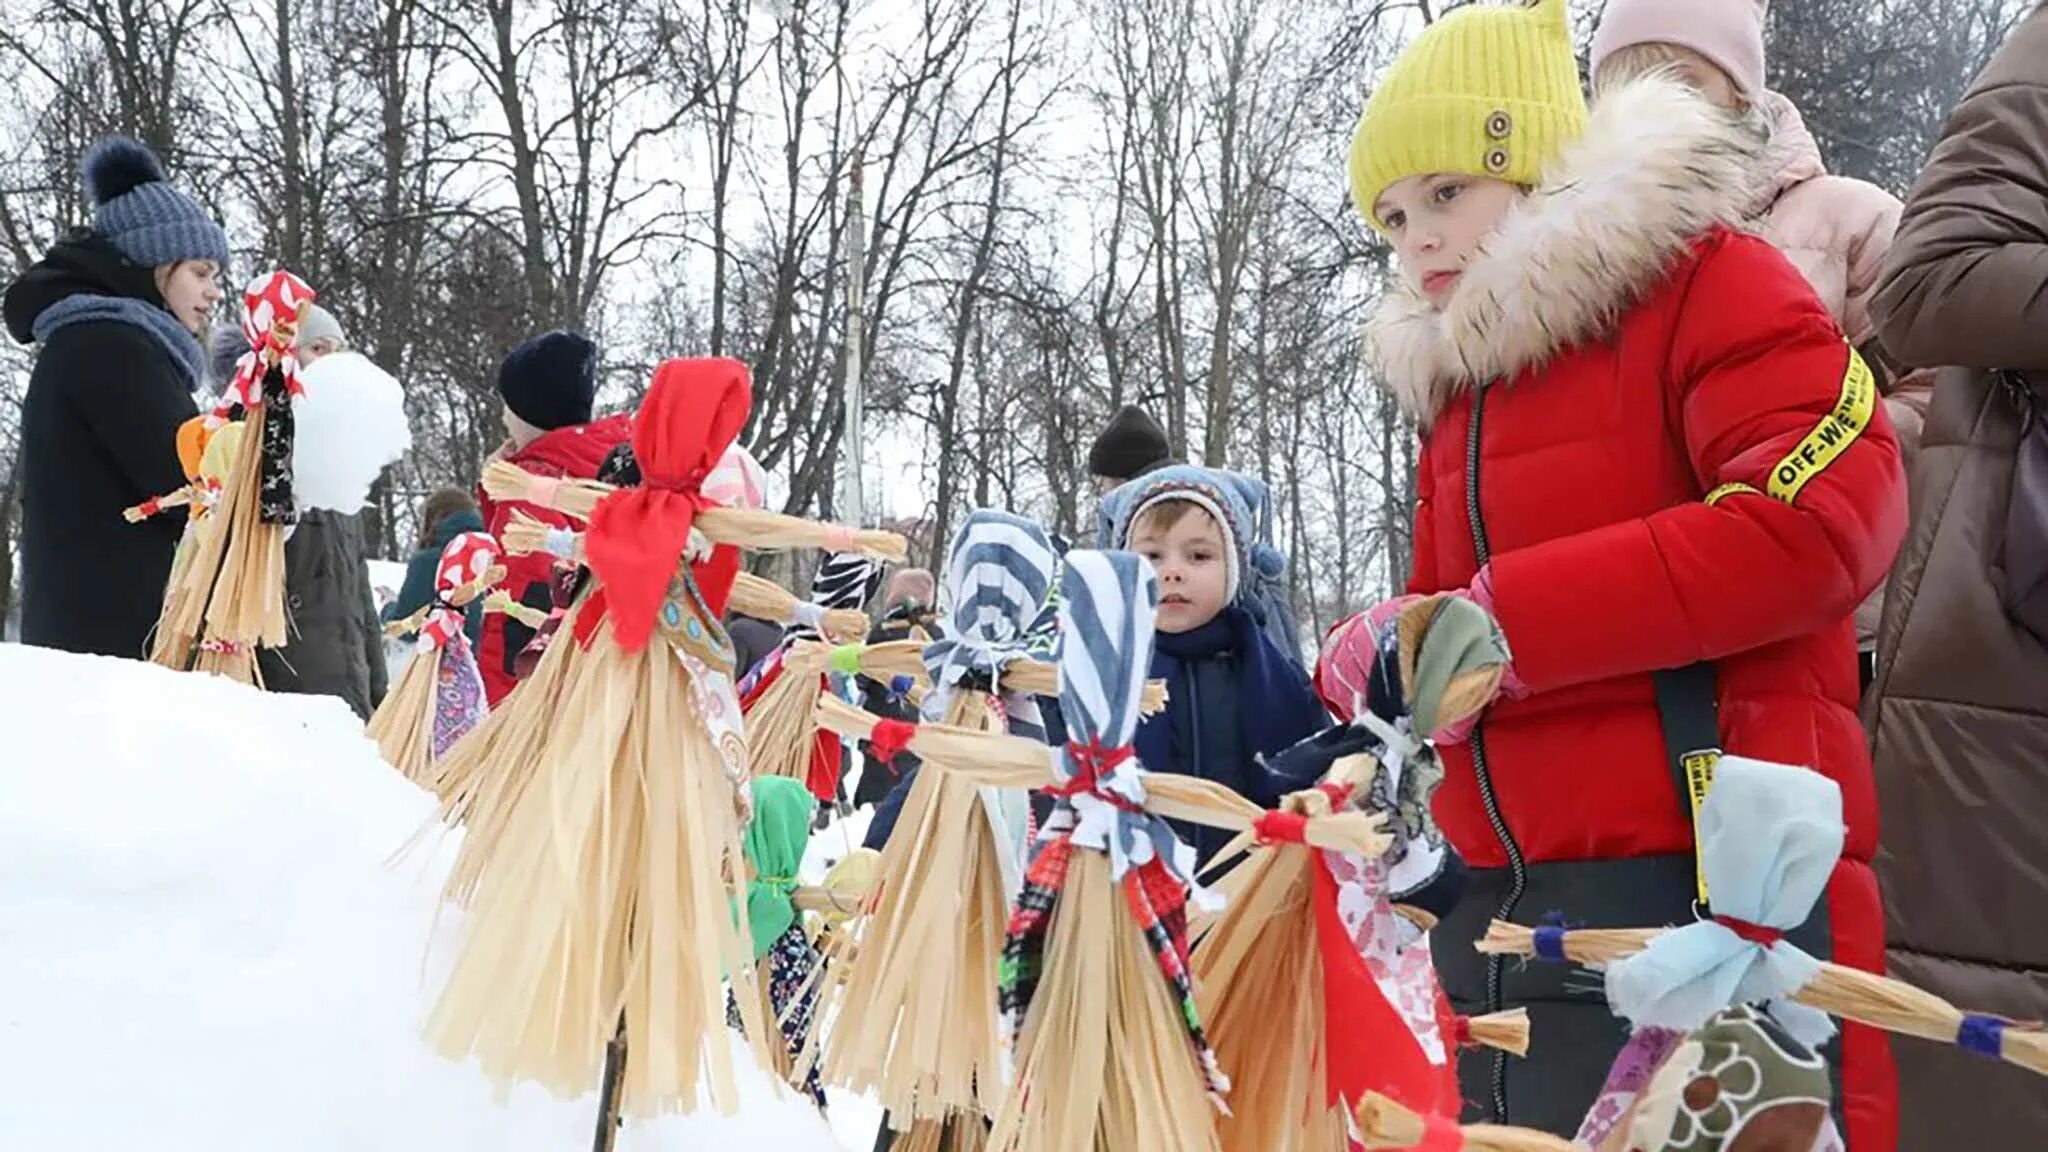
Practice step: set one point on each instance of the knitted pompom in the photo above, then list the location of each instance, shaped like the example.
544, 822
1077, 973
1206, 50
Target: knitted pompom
118, 165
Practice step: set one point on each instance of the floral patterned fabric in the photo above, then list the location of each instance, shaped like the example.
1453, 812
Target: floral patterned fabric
793, 996
458, 693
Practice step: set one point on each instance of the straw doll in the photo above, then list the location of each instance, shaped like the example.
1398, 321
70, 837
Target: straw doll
604, 908
207, 453
782, 738
774, 845
440, 696
1769, 837
230, 597
1317, 987
483, 776
1110, 1051
917, 1023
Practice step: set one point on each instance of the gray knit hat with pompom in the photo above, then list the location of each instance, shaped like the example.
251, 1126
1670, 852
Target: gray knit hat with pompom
135, 207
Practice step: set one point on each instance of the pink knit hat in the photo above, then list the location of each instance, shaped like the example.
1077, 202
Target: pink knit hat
1728, 32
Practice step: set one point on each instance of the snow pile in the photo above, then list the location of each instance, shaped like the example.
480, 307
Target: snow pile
348, 425
205, 945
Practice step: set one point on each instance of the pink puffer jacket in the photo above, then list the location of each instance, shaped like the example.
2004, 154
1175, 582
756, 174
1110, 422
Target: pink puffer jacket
1836, 231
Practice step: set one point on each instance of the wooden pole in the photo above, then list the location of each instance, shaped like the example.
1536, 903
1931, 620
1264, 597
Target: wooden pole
854, 506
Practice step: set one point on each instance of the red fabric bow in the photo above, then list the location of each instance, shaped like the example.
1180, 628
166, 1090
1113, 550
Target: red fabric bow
1278, 827
891, 739
637, 536
1091, 763
1754, 933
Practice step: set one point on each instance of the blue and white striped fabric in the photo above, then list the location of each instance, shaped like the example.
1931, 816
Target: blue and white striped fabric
1109, 605
997, 576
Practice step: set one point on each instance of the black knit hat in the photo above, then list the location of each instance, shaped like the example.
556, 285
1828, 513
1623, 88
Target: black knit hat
1132, 445
551, 380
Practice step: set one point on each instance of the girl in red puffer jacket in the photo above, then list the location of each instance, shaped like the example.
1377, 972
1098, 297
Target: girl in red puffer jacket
1650, 452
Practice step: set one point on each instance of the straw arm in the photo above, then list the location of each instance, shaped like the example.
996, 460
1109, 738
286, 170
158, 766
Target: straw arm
1851, 994
986, 758
137, 513
577, 498
501, 602
407, 625
764, 599
1385, 1124
525, 535
1501, 1031
763, 531
879, 662
1042, 678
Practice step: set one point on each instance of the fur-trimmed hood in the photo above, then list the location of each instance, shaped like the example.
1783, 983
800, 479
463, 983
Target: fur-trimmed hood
1656, 167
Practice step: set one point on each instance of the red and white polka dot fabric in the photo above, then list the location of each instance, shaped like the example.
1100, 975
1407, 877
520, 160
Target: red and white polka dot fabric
466, 559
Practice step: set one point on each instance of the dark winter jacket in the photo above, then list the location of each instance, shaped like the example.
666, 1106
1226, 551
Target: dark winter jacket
877, 779
418, 590
1232, 699
99, 433
335, 646
574, 452
752, 640
1959, 714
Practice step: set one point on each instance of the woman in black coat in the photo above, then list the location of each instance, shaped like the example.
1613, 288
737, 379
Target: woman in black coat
115, 310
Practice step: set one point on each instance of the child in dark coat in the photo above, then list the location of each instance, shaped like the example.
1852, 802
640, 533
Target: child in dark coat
1234, 697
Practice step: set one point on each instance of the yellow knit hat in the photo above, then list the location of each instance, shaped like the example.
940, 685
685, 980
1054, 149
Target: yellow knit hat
1489, 90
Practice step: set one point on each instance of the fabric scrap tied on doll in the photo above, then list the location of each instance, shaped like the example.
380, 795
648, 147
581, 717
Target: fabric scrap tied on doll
638, 537
1769, 839
1107, 615
273, 306
465, 560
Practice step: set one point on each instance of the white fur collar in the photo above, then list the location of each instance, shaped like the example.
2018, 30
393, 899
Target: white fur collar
1656, 167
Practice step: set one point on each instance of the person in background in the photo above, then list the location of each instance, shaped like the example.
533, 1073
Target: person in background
1649, 452
1130, 445
334, 643
1233, 696
447, 513
752, 640
549, 386
907, 613
1835, 230
1959, 715
115, 311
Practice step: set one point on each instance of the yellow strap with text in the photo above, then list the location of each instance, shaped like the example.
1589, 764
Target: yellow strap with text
1832, 436
1699, 777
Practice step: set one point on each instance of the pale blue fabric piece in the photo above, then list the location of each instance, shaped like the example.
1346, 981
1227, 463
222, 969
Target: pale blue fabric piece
1769, 839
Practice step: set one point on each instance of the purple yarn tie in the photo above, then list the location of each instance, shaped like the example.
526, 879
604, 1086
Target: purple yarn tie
900, 686
1550, 943
1982, 1035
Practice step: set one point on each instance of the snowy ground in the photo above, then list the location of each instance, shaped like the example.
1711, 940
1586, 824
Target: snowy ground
208, 943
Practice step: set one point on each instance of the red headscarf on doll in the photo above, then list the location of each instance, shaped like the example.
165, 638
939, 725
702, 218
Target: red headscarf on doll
638, 535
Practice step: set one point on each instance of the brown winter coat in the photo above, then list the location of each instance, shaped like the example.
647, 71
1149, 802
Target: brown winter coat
1960, 712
